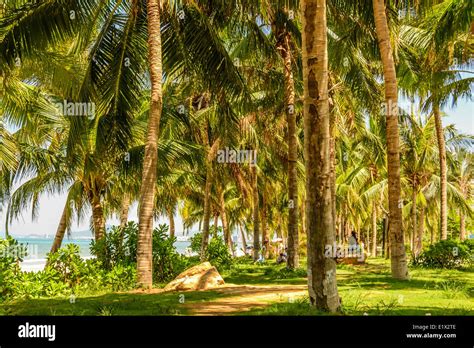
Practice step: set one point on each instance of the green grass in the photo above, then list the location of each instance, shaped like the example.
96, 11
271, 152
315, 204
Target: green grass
369, 289
110, 304
365, 289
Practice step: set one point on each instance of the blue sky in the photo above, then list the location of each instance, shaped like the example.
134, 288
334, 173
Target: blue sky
51, 207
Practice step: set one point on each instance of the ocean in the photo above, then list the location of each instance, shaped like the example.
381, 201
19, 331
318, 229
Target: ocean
37, 249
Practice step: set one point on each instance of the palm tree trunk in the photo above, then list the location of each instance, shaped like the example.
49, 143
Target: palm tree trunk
225, 225
58, 238
123, 219
443, 172
320, 228
421, 230
285, 51
150, 161
172, 224
414, 222
207, 213
265, 241
244, 242
98, 219
256, 222
332, 154
397, 243
124, 211
462, 226
374, 229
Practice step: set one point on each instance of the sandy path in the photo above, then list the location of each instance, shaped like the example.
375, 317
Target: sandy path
241, 298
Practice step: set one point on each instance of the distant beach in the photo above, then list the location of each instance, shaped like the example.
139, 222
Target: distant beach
39, 247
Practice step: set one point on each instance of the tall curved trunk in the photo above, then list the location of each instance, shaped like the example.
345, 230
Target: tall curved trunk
265, 237
123, 219
98, 219
150, 161
172, 224
225, 224
462, 226
293, 238
216, 220
256, 222
414, 222
421, 230
207, 213
374, 228
322, 284
397, 244
124, 211
443, 173
61, 230
244, 241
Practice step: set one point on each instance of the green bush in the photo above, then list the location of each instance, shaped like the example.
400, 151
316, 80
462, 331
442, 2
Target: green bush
66, 273
11, 253
446, 254
67, 264
167, 262
119, 247
217, 252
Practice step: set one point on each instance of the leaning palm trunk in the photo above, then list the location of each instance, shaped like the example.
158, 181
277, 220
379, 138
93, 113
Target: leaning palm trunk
443, 173
285, 51
150, 161
319, 218
123, 219
374, 229
98, 219
207, 213
256, 222
225, 225
58, 238
124, 211
265, 240
414, 222
421, 230
172, 224
462, 226
397, 243
244, 241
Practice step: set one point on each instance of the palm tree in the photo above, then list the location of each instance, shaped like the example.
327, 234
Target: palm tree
463, 172
147, 192
397, 243
319, 220
436, 42
284, 47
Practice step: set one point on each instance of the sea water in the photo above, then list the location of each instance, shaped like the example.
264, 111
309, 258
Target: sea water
38, 248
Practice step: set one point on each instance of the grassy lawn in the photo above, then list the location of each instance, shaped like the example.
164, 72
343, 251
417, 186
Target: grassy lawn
363, 288
370, 289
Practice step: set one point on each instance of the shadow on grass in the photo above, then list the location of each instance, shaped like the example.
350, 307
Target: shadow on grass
154, 304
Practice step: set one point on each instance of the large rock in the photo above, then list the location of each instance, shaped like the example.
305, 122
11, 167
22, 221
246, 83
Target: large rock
200, 277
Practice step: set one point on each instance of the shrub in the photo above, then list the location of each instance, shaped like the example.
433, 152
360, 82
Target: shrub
217, 252
119, 248
66, 273
11, 253
119, 245
68, 264
121, 277
167, 262
446, 254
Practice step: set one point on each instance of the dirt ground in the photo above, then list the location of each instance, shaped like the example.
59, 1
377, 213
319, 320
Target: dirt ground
241, 298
